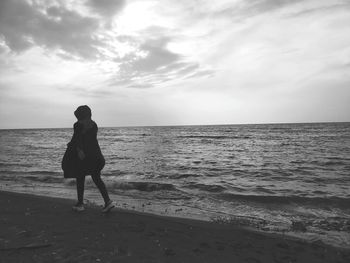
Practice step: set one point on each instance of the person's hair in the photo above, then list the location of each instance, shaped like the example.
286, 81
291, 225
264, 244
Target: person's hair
82, 112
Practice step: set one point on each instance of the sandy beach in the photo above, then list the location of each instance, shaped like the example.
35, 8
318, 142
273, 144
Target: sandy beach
43, 229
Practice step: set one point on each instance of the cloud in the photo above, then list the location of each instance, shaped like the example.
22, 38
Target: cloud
157, 56
325, 9
71, 33
243, 10
155, 66
106, 7
24, 25
263, 6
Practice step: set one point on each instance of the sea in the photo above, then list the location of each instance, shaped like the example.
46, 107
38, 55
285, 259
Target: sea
292, 179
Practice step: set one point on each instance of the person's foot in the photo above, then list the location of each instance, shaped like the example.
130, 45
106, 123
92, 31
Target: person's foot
108, 206
79, 207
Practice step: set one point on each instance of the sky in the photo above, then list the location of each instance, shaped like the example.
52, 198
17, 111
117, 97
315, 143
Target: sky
165, 62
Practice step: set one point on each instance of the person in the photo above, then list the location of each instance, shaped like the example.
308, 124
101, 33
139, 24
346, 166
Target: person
88, 157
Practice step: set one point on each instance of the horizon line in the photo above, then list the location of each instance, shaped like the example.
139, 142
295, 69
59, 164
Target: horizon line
183, 125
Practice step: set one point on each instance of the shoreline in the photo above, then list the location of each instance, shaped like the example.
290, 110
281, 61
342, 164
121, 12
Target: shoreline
299, 229
40, 229
294, 228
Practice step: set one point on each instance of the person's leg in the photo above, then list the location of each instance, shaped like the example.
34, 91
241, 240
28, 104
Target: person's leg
80, 188
101, 186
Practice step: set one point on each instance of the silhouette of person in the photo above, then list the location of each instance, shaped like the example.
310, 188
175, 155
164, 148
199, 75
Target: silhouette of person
88, 157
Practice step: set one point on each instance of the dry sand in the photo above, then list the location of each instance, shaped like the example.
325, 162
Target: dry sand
40, 229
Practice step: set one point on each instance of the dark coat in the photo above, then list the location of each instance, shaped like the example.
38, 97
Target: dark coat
86, 140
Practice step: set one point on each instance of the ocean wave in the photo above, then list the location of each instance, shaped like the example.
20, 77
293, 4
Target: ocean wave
317, 163
19, 164
45, 178
33, 174
8, 164
42, 172
115, 157
330, 224
185, 175
217, 137
114, 173
205, 187
36, 147
117, 140
143, 186
329, 163
271, 199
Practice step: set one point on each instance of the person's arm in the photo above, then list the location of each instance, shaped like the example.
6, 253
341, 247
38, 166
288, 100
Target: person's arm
77, 140
95, 129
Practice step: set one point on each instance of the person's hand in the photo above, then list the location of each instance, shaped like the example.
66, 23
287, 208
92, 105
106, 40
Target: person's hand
81, 154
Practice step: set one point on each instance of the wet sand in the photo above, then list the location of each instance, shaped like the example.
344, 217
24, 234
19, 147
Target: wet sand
45, 229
